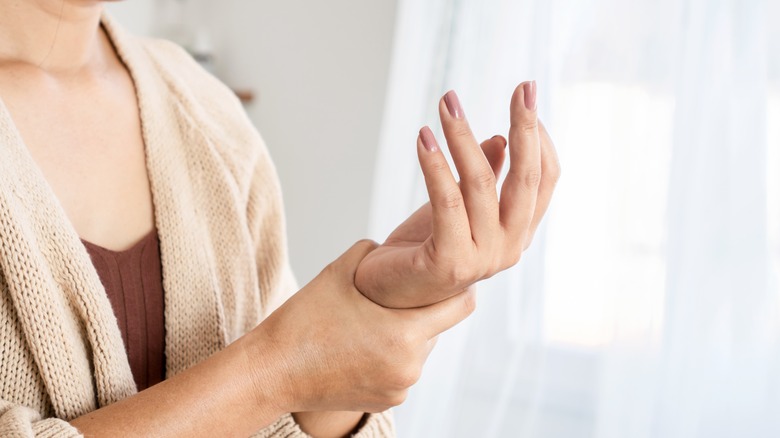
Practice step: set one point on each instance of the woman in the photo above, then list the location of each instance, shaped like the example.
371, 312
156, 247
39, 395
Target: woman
142, 240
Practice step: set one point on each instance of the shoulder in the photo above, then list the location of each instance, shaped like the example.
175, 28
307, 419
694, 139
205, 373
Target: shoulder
187, 78
204, 97
166, 70
208, 106
176, 74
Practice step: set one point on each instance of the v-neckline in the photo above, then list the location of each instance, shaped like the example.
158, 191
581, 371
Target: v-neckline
140, 243
191, 282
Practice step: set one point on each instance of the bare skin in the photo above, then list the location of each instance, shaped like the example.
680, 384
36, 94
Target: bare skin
466, 234
75, 106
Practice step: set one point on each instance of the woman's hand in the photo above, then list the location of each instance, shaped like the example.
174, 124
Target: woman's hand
465, 234
330, 348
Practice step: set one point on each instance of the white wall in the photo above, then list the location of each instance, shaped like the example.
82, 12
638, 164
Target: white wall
320, 71
136, 15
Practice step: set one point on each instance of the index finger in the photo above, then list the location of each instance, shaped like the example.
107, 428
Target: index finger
450, 223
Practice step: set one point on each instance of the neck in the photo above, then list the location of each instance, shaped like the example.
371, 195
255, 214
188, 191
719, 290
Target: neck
54, 35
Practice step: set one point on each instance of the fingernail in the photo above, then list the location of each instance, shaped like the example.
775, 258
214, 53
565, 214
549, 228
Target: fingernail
428, 140
453, 104
503, 140
529, 93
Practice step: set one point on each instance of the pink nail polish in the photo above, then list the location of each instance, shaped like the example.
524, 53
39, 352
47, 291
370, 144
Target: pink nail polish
529, 94
453, 104
428, 140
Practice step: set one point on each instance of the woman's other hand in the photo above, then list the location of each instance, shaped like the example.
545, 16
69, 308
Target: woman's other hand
466, 234
330, 348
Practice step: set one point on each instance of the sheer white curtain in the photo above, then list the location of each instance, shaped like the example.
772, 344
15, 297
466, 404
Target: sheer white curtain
648, 304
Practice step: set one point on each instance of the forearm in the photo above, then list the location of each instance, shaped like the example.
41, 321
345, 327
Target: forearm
217, 397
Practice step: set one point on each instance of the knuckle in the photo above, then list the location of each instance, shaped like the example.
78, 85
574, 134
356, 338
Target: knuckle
452, 199
513, 252
527, 243
551, 168
514, 258
532, 177
461, 130
459, 274
439, 166
407, 377
397, 398
469, 302
496, 266
400, 378
555, 172
527, 126
403, 341
484, 181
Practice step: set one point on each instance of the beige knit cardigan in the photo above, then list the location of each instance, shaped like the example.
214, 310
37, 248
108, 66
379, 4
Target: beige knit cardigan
218, 211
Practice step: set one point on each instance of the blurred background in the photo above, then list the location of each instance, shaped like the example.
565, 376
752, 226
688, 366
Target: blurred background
648, 304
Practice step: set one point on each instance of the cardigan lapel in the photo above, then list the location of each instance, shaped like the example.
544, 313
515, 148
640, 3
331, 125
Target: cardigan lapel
64, 312
68, 322
194, 320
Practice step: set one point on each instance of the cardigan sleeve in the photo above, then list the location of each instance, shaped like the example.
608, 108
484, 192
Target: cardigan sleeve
22, 422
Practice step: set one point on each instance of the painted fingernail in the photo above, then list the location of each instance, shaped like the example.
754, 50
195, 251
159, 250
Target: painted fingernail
428, 140
529, 93
503, 140
453, 104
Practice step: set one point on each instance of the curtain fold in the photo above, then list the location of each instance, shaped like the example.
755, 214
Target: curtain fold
720, 332
648, 304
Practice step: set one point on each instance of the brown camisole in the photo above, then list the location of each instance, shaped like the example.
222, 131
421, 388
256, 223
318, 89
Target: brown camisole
133, 282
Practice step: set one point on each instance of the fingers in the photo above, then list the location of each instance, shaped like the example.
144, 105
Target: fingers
418, 226
520, 188
449, 220
477, 179
551, 172
442, 316
495, 151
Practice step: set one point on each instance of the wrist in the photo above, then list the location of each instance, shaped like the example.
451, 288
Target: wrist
268, 374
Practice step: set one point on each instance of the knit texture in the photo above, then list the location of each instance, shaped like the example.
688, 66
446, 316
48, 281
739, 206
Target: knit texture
219, 215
